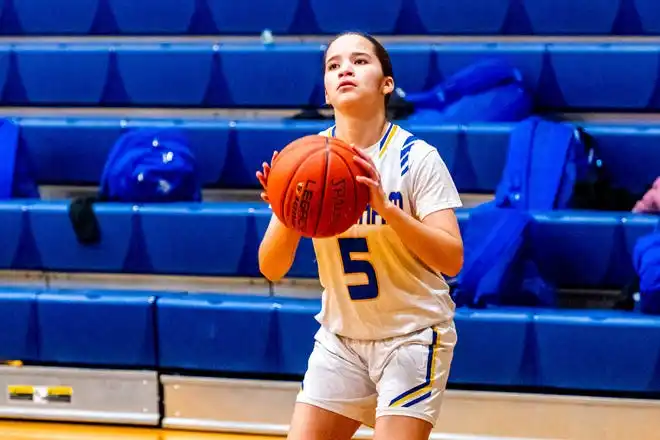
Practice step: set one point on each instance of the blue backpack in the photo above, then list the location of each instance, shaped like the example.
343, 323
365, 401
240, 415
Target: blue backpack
489, 90
646, 260
151, 165
16, 179
546, 161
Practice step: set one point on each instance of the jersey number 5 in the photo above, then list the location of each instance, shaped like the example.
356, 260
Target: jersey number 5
360, 274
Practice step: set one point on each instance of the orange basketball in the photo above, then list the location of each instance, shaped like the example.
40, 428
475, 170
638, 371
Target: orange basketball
312, 187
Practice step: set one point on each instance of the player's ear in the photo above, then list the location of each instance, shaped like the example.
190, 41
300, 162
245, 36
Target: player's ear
388, 85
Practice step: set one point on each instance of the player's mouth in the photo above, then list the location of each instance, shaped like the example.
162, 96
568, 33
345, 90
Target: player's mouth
346, 85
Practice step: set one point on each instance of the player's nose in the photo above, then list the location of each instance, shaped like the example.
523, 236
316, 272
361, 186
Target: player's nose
346, 70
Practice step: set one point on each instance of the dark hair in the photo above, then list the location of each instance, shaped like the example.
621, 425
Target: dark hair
381, 53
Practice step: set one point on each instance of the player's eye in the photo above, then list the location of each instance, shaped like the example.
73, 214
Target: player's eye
332, 66
361, 61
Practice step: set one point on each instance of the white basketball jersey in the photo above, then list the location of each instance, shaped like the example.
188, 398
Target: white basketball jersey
375, 288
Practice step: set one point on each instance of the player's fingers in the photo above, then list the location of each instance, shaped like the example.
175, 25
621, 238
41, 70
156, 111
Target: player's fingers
367, 181
275, 153
360, 153
264, 197
262, 179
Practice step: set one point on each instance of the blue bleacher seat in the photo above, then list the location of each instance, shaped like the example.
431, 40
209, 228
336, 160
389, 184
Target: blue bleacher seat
202, 239
153, 16
296, 329
18, 324
68, 151
5, 65
465, 17
58, 249
53, 74
623, 148
295, 68
649, 16
636, 226
254, 16
46, 17
12, 219
598, 350
412, 66
141, 74
73, 151
498, 347
165, 74
486, 149
496, 339
585, 249
210, 143
217, 333
613, 84
102, 328
365, 15
579, 249
567, 17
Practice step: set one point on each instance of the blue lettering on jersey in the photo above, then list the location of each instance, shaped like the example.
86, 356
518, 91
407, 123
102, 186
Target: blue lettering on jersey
371, 216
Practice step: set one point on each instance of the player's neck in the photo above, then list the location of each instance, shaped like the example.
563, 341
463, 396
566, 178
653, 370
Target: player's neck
359, 131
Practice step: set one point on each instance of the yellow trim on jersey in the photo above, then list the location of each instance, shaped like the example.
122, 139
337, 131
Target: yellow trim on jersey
388, 140
327, 132
422, 391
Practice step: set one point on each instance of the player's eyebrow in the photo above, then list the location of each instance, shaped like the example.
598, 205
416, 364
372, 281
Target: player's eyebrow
353, 54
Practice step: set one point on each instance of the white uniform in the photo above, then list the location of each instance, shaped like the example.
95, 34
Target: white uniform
387, 335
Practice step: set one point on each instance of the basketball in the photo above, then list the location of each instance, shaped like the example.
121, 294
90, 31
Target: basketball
312, 187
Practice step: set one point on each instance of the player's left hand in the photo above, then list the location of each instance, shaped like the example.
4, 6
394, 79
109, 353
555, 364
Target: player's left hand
377, 198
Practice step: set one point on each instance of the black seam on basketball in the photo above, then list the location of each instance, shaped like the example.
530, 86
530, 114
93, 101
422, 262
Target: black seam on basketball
288, 183
355, 183
325, 181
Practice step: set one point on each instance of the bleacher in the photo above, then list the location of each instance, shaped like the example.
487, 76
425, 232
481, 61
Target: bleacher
172, 294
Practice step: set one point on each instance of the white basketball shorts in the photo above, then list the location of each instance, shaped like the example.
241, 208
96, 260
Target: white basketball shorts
364, 380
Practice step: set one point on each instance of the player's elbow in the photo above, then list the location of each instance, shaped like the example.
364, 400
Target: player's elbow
454, 267
269, 268
454, 264
270, 274
273, 267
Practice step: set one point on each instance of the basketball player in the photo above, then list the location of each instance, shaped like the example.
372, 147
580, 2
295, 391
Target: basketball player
382, 354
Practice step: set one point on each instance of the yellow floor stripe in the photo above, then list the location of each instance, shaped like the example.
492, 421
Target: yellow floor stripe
60, 431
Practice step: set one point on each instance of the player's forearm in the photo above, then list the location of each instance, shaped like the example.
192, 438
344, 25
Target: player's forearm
277, 250
435, 247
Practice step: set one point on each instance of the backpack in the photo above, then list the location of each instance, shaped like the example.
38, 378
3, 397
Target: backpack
16, 179
546, 161
487, 91
151, 166
144, 166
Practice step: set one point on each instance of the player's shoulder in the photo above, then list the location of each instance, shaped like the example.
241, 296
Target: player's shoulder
412, 145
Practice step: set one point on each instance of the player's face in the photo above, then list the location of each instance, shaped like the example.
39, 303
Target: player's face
353, 74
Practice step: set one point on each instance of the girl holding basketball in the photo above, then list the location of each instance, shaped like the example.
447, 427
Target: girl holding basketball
383, 351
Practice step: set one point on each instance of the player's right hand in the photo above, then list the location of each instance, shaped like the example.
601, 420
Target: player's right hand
263, 176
